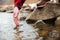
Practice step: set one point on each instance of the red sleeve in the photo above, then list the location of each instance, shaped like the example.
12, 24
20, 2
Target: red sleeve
18, 3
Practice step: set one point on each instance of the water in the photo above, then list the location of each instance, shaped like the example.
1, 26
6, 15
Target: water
7, 31
24, 32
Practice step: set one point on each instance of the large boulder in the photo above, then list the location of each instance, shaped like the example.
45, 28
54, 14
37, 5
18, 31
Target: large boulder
50, 10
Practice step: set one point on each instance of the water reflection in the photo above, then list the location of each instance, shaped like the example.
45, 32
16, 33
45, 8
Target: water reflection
17, 34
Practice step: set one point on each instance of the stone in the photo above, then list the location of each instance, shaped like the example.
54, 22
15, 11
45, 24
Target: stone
49, 11
10, 11
26, 9
22, 18
6, 8
54, 34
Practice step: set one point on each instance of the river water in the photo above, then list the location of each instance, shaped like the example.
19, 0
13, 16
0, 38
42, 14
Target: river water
24, 32
7, 32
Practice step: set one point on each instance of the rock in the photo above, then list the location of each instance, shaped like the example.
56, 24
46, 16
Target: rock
9, 7
43, 33
47, 13
50, 10
2, 10
39, 24
10, 11
26, 8
25, 11
31, 21
55, 8
6, 8
50, 22
58, 38
42, 26
23, 15
22, 18
54, 34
